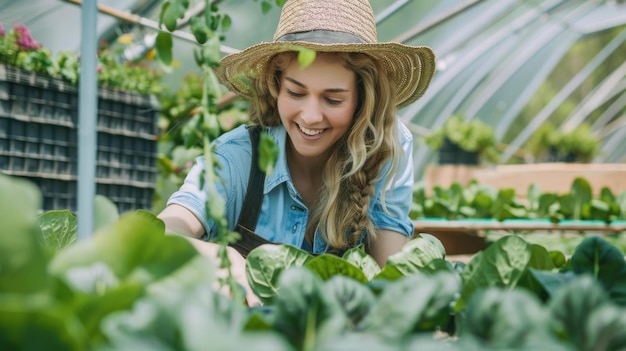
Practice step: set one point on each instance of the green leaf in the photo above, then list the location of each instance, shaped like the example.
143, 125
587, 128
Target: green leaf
597, 257
171, 11
413, 303
266, 263
545, 201
266, 7
226, 22
605, 328
540, 258
572, 305
326, 266
551, 282
23, 260
268, 153
388, 273
355, 299
581, 194
503, 263
417, 254
163, 46
355, 340
363, 261
58, 228
558, 258
199, 30
534, 194
305, 56
33, 322
504, 319
105, 212
134, 249
305, 312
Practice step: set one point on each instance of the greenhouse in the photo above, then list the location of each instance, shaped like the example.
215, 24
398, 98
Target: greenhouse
117, 125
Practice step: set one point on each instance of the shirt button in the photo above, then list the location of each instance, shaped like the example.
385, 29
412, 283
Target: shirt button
295, 227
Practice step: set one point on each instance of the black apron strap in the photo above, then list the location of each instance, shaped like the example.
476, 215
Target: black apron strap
252, 202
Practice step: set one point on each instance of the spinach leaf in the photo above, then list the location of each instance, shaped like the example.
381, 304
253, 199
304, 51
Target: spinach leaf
305, 311
355, 299
416, 254
362, 260
503, 263
603, 261
416, 302
326, 266
265, 264
504, 319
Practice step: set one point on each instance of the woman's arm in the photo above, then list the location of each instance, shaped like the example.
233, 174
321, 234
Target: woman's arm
179, 220
387, 243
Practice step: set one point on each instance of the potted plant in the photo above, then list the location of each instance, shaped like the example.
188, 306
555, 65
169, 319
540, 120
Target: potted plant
461, 141
549, 144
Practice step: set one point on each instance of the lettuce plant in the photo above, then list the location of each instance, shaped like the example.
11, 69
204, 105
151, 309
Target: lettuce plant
130, 286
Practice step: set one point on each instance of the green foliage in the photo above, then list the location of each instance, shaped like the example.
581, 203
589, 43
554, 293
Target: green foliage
485, 202
19, 49
130, 285
473, 135
550, 144
266, 5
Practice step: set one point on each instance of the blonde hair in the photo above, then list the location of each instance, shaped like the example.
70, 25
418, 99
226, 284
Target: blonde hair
358, 158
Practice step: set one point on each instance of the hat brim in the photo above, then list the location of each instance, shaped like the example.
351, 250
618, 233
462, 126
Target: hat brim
410, 67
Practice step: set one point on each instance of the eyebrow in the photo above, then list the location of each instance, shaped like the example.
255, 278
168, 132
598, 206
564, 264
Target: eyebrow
331, 90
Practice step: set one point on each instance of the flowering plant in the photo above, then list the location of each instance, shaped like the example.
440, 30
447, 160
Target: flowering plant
18, 48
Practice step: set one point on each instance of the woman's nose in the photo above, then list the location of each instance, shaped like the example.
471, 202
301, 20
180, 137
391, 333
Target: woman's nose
312, 112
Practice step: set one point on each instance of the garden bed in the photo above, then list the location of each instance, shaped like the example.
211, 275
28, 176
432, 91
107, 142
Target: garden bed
465, 237
553, 177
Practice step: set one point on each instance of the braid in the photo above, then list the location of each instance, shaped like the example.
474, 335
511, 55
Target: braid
359, 200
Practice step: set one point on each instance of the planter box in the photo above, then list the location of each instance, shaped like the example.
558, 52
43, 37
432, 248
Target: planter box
38, 140
468, 236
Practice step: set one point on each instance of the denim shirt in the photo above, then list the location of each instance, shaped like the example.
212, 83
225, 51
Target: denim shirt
283, 216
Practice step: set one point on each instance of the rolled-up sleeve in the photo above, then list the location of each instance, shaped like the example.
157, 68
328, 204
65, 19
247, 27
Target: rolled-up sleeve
232, 153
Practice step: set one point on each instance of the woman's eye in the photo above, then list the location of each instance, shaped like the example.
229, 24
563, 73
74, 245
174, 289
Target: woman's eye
333, 101
294, 94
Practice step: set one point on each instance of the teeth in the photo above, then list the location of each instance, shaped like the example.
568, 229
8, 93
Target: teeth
311, 132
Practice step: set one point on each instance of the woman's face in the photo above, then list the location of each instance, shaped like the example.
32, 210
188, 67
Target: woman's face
316, 104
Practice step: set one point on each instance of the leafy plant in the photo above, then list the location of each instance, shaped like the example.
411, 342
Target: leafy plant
550, 144
473, 136
485, 202
130, 286
18, 48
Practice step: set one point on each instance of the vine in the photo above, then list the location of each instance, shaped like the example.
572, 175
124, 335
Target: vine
203, 127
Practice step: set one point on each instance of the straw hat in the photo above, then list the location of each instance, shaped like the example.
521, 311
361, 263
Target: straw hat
333, 26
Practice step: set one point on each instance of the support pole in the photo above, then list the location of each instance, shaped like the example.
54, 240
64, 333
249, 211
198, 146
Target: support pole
87, 117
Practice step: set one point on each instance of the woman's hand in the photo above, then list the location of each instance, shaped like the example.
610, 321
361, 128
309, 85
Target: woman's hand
179, 220
238, 271
237, 267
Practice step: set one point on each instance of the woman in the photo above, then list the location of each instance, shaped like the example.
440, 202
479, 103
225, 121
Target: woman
344, 175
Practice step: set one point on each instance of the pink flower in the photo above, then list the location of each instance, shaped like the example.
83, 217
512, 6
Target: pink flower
24, 40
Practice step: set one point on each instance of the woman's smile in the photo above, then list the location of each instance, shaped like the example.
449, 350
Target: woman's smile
313, 133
